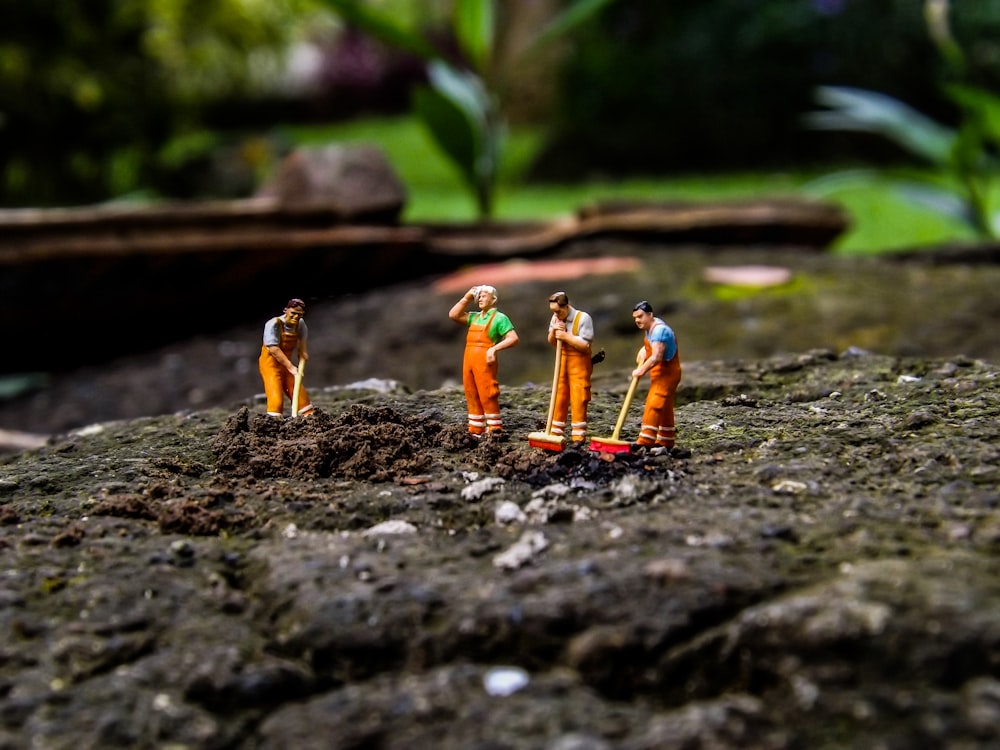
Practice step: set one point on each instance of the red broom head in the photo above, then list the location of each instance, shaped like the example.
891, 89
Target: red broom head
608, 445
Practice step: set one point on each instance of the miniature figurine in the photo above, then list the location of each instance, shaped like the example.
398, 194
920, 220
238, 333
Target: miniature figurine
489, 331
660, 358
575, 329
284, 335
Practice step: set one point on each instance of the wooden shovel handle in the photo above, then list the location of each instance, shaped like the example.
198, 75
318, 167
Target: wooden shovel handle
628, 401
555, 384
299, 371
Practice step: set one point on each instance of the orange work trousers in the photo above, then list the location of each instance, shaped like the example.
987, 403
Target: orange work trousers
278, 383
658, 416
572, 393
479, 381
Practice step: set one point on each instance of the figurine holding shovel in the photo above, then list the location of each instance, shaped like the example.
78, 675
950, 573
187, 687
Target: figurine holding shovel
660, 359
283, 336
571, 330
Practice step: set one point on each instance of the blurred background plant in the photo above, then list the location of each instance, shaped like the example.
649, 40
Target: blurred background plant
107, 97
163, 99
964, 156
465, 104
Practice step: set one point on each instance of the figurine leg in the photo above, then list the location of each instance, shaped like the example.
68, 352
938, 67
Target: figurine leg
578, 382
274, 387
477, 415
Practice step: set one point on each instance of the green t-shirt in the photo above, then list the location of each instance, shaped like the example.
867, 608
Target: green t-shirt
499, 328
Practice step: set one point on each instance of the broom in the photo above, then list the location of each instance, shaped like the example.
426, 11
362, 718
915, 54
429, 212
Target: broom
613, 444
546, 440
298, 386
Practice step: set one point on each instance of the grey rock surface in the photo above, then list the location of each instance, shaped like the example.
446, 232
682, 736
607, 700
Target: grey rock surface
816, 567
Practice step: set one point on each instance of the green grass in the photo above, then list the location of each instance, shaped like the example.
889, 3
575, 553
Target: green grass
881, 220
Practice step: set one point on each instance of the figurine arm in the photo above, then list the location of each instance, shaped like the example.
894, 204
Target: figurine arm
577, 342
510, 339
555, 326
457, 312
280, 356
647, 365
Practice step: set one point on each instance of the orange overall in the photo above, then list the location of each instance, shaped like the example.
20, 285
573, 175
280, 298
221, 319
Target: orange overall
479, 378
279, 382
573, 388
658, 416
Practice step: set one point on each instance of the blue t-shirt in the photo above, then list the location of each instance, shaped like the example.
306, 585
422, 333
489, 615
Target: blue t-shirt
662, 333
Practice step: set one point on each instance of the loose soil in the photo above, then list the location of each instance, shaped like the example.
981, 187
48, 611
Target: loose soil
815, 565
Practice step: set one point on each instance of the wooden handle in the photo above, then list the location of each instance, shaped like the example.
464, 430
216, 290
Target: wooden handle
621, 417
298, 384
555, 384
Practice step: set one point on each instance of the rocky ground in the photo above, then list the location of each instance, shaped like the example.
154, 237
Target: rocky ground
815, 567
402, 332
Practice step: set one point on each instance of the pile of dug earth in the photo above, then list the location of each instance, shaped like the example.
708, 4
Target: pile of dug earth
384, 444
818, 567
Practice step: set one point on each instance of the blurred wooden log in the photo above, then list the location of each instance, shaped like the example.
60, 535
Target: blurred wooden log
154, 267
787, 221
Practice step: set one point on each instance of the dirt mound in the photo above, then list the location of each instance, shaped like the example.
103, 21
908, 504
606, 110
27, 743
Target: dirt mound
366, 443
382, 444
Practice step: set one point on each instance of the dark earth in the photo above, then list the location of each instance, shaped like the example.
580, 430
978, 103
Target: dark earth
815, 566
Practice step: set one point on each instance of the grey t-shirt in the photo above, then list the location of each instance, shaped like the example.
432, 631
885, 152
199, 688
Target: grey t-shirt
272, 332
586, 328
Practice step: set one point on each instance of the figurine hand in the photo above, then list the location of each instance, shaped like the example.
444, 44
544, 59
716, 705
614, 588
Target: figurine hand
474, 292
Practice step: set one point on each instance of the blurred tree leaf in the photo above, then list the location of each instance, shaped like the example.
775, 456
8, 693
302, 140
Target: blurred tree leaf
963, 153
940, 200
869, 111
575, 15
474, 22
460, 100
456, 111
982, 104
382, 25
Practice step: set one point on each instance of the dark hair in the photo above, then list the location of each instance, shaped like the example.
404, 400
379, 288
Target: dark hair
560, 298
644, 306
295, 302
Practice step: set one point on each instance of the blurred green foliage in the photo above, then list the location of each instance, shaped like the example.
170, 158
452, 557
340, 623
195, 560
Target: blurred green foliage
92, 93
966, 153
658, 87
463, 106
109, 98
881, 220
